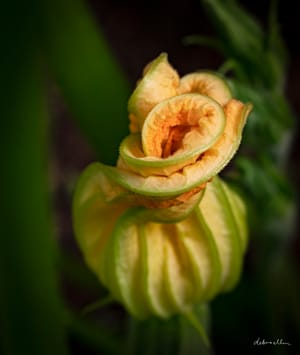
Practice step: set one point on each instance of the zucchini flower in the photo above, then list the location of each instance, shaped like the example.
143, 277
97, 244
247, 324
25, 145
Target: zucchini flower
160, 229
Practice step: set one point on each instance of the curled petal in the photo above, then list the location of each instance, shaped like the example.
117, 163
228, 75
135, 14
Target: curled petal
160, 81
208, 164
206, 83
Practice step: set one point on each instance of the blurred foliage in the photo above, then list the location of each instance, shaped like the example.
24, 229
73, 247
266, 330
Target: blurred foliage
258, 58
30, 308
86, 71
257, 63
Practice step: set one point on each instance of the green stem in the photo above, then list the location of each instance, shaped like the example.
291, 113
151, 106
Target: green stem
96, 305
195, 322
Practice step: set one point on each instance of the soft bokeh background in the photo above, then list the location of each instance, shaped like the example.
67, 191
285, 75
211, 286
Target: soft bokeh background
66, 79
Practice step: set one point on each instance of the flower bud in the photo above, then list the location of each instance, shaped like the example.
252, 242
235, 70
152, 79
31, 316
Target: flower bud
159, 268
160, 229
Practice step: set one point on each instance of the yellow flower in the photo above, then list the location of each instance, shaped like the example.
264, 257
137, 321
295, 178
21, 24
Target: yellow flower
161, 230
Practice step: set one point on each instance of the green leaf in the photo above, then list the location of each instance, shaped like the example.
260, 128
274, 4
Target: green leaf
31, 311
265, 185
275, 46
261, 56
87, 73
268, 123
239, 33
